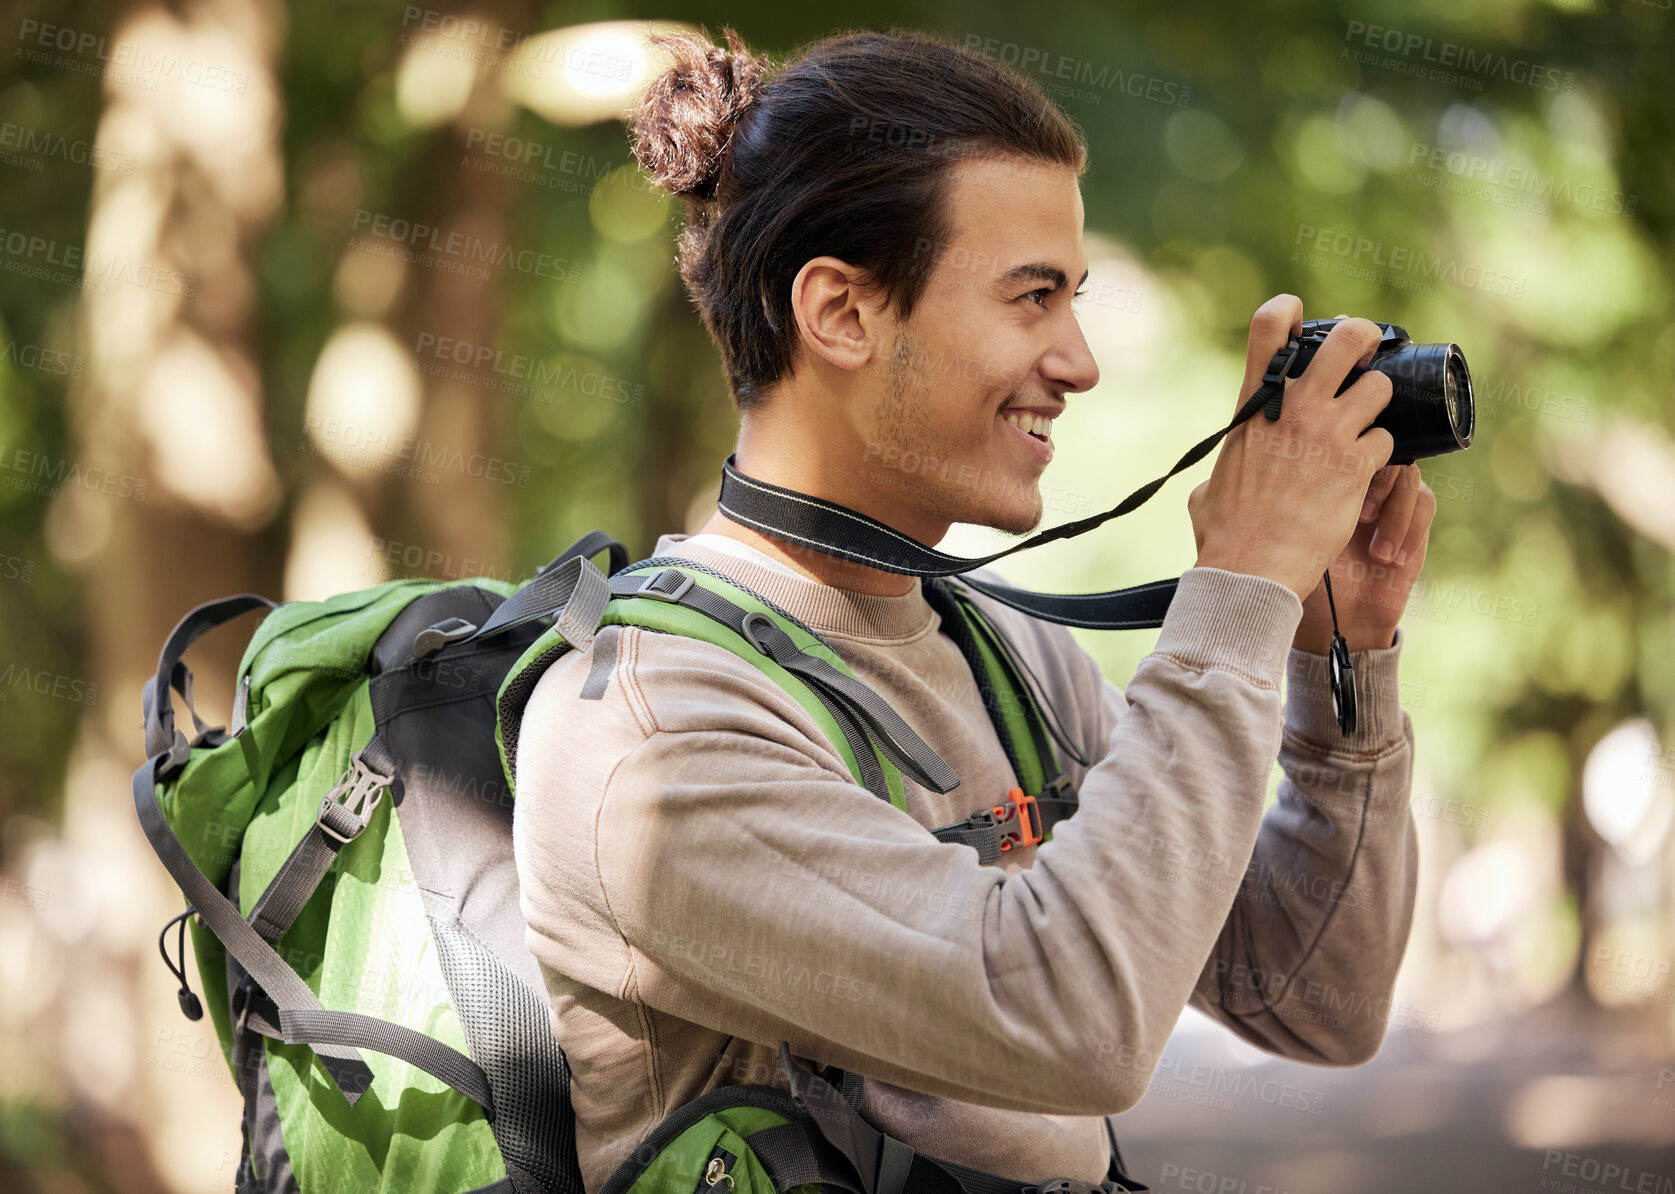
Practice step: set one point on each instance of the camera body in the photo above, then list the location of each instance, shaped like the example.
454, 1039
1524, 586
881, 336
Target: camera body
1431, 411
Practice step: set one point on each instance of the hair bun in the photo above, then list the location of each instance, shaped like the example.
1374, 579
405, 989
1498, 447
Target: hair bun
685, 121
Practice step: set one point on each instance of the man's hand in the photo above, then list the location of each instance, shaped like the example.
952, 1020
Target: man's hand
1283, 496
1372, 576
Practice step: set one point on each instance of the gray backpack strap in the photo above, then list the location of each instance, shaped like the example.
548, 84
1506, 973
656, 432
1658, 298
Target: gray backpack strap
894, 737
571, 585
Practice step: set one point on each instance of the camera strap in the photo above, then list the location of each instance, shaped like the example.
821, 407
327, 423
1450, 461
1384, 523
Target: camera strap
835, 530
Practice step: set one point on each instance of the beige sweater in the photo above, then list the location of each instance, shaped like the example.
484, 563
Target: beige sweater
701, 878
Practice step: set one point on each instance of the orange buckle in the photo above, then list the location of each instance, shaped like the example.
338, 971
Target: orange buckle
1023, 809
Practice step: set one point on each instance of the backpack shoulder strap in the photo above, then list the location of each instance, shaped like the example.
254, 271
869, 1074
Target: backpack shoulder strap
679, 596
1024, 722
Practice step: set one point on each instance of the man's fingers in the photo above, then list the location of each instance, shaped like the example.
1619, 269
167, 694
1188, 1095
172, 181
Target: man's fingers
1394, 521
1352, 341
1383, 482
1418, 540
1275, 322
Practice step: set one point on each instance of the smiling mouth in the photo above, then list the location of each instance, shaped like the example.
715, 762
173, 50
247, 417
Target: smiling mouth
1039, 426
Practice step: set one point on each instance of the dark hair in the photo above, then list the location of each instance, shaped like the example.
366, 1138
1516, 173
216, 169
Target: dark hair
845, 151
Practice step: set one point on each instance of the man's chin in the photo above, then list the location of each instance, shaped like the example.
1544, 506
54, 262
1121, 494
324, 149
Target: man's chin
1014, 521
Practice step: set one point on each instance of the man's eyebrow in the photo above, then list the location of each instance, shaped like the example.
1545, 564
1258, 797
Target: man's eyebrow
1038, 271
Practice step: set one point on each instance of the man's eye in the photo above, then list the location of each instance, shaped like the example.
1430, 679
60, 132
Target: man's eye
1043, 292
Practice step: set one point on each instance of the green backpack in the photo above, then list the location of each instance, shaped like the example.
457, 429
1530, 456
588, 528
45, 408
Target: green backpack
345, 850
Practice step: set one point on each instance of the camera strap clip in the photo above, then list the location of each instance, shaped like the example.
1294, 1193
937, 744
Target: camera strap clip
1278, 368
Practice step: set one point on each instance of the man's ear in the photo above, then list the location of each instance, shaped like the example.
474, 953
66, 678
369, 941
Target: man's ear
838, 316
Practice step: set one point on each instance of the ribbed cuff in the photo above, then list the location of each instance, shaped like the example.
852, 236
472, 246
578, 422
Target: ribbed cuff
1231, 620
1378, 705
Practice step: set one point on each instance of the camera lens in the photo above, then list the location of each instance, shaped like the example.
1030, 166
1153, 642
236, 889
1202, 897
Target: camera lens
1457, 395
1430, 411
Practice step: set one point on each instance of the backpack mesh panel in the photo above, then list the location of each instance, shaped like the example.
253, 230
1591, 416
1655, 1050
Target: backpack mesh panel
510, 1036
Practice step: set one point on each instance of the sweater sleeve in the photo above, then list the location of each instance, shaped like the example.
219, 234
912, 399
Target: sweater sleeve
750, 887
1307, 961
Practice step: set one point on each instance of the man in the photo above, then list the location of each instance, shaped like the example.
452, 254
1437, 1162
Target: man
701, 877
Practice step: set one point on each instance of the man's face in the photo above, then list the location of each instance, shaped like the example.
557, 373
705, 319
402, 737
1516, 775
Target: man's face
972, 382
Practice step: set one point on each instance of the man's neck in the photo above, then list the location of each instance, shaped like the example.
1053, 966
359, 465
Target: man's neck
801, 454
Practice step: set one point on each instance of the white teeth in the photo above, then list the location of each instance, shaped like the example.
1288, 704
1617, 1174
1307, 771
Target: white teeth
1026, 421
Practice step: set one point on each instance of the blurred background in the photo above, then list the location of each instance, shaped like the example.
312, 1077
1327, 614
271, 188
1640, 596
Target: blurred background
296, 299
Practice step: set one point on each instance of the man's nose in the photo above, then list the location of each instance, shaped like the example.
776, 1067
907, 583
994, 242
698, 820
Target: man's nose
1070, 366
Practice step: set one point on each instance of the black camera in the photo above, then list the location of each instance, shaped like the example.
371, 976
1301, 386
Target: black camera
1430, 413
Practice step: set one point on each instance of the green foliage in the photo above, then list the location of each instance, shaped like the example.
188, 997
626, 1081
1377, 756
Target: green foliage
1224, 141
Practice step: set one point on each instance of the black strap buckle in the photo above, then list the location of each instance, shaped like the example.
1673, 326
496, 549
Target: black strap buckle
1280, 364
1278, 368
1058, 788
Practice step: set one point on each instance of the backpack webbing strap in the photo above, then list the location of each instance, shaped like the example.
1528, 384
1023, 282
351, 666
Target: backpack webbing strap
302, 1018
301, 1014
792, 1156
1021, 821
1118, 1171
894, 737
887, 1165
992, 688
566, 586
344, 812
864, 716
161, 737
1031, 692
314, 1028
223, 918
